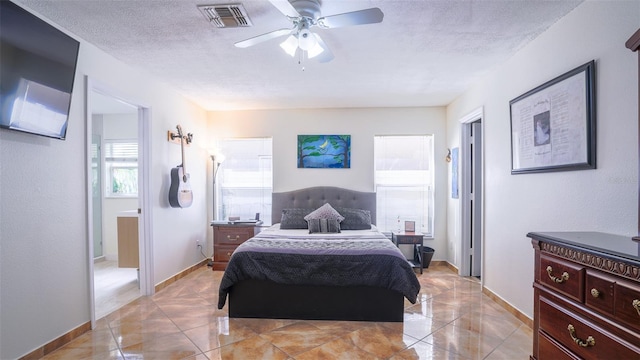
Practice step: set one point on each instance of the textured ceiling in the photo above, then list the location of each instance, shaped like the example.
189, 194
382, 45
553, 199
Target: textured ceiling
424, 53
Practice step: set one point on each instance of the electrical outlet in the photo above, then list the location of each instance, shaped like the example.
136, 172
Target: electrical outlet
198, 242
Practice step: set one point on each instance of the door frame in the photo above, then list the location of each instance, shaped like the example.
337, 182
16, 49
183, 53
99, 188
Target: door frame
145, 235
465, 186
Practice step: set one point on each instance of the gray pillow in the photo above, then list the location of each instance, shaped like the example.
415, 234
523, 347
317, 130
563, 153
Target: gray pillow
355, 219
294, 218
323, 226
325, 211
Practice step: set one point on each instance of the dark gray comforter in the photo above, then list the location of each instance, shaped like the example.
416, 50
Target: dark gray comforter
355, 258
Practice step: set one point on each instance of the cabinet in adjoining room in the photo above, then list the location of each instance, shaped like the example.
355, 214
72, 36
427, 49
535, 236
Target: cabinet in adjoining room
128, 251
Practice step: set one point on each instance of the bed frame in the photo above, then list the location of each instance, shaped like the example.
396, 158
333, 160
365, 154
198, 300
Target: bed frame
266, 299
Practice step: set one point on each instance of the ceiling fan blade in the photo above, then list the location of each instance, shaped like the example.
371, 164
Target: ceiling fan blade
326, 55
360, 17
262, 38
285, 7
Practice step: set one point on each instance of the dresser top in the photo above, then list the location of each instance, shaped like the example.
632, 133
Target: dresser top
237, 223
609, 245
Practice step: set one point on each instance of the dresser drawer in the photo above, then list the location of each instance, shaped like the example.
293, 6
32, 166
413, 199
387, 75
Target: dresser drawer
580, 336
222, 253
232, 235
563, 276
627, 304
599, 292
551, 349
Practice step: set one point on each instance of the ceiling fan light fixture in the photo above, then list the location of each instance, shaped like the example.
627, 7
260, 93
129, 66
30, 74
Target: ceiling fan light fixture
290, 45
307, 40
304, 15
316, 49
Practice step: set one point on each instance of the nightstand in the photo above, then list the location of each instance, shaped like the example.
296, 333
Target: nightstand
227, 236
417, 239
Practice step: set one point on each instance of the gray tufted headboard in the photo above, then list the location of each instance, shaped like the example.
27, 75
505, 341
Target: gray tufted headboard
314, 197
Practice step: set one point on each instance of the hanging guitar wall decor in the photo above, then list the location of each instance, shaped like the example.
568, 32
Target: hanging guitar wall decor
180, 194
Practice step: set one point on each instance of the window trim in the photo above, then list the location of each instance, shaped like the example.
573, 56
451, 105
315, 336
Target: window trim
430, 186
218, 183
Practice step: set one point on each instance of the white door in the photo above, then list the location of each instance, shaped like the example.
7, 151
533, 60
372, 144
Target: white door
96, 192
471, 197
475, 195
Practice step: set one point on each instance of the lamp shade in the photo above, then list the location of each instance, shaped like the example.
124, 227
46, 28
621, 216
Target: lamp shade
290, 45
306, 40
316, 49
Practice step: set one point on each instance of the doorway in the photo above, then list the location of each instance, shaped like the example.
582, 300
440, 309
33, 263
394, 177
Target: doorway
119, 261
471, 199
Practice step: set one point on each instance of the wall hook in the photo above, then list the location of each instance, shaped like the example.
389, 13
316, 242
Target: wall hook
174, 137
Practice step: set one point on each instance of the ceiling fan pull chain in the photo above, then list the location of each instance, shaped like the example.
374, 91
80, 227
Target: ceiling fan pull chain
301, 58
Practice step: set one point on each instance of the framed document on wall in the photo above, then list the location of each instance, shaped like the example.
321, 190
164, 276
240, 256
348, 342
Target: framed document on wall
553, 125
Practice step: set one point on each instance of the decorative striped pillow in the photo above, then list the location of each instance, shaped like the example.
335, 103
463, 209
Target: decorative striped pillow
323, 226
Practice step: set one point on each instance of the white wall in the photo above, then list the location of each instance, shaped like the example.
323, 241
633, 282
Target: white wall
604, 199
44, 257
362, 124
120, 126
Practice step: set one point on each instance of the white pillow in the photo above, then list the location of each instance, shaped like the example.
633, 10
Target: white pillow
325, 211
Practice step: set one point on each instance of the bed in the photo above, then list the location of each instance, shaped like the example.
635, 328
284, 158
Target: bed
290, 273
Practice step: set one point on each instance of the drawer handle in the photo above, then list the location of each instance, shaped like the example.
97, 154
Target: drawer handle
589, 342
595, 293
559, 280
228, 254
636, 304
229, 237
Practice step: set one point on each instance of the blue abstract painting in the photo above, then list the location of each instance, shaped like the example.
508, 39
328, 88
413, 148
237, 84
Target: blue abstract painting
324, 151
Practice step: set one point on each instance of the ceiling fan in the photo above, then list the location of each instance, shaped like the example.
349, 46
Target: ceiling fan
305, 14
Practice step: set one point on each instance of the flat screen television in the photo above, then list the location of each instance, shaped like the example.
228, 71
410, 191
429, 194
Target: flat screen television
37, 69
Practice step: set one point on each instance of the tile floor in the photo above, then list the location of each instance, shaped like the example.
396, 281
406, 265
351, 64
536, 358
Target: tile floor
451, 320
114, 287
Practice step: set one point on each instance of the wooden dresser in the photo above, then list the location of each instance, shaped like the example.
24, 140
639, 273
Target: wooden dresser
586, 296
227, 237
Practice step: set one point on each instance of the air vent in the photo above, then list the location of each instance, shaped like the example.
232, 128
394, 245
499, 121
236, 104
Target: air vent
226, 16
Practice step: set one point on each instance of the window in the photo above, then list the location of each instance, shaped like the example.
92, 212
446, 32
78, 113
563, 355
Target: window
404, 182
121, 168
244, 181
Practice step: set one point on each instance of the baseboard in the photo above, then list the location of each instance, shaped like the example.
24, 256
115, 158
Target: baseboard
180, 275
111, 257
497, 299
452, 267
445, 263
513, 311
54, 345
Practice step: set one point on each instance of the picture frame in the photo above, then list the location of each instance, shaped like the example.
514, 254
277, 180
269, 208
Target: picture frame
324, 151
455, 193
409, 226
553, 127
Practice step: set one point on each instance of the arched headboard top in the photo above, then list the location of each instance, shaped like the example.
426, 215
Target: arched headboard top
314, 197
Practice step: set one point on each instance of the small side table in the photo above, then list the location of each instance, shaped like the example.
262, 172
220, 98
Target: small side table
226, 238
417, 239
